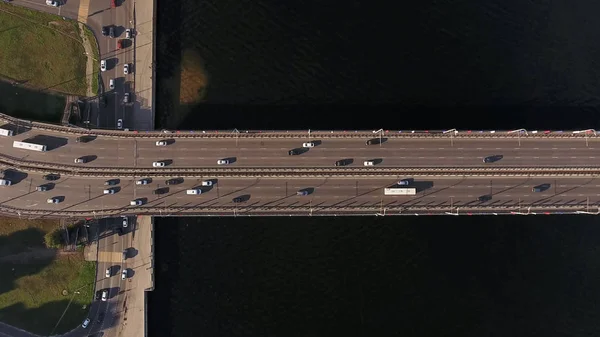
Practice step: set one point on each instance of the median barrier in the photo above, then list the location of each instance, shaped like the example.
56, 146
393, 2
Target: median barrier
324, 134
295, 172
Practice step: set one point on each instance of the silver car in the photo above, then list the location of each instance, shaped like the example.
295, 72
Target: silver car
222, 162
126, 69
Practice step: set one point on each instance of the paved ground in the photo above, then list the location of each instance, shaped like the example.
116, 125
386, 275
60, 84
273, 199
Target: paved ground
85, 194
113, 152
143, 109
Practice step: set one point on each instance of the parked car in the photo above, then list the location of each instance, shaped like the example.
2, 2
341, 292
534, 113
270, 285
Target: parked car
80, 160
41, 188
104, 295
124, 274
102, 65
53, 200
126, 68
158, 164
107, 272
111, 84
126, 98
111, 31
128, 33
207, 183
105, 30
85, 323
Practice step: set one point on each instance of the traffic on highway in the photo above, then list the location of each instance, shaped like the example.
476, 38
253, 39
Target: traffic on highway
101, 151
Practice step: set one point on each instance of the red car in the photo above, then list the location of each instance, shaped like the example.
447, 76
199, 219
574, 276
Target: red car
119, 43
113, 3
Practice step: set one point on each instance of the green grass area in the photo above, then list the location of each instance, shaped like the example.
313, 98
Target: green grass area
33, 278
96, 56
41, 50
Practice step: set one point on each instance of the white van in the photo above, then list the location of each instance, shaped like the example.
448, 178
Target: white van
135, 202
197, 191
109, 191
4, 182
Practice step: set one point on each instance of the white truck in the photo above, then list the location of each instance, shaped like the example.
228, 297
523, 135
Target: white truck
400, 191
4, 132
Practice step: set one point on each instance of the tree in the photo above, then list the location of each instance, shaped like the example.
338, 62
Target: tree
53, 239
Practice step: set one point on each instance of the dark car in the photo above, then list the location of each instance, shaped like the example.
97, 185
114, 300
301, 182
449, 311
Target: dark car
51, 176
492, 159
125, 254
342, 162
161, 190
294, 152
100, 317
372, 141
98, 295
104, 30
174, 181
111, 182
238, 199
111, 32
484, 198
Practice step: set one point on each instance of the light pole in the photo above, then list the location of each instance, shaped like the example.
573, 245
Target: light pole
519, 131
380, 131
237, 134
452, 132
586, 132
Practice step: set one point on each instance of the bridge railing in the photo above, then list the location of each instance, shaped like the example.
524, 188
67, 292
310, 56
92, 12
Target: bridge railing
313, 134
259, 210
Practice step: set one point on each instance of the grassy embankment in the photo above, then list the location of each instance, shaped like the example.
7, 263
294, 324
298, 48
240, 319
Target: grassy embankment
33, 279
44, 54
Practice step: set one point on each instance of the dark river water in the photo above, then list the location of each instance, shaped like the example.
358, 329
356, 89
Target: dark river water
272, 64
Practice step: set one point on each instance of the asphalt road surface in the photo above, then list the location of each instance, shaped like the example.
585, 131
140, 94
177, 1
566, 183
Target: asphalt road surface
81, 194
113, 152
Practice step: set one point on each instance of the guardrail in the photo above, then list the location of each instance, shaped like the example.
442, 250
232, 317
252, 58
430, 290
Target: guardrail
313, 134
522, 209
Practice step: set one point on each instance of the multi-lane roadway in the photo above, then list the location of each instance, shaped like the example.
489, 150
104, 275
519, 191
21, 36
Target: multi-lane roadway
181, 153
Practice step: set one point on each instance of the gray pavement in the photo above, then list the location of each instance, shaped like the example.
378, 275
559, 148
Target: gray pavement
186, 153
85, 194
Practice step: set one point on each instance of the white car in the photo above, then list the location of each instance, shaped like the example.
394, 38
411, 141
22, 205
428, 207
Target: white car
109, 191
111, 84
85, 323
302, 193
53, 201
103, 65
108, 272
79, 161
369, 163
161, 143
124, 274
5, 182
222, 162
158, 164
119, 123
309, 144
104, 295
142, 182
128, 33
207, 183
126, 69
52, 3
125, 222
137, 202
